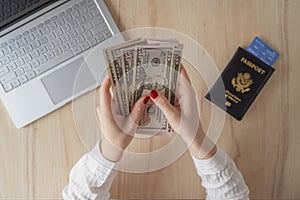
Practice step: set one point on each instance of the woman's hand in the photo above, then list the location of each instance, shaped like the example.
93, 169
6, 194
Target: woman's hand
117, 131
184, 117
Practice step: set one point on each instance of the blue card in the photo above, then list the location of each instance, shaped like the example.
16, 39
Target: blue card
263, 51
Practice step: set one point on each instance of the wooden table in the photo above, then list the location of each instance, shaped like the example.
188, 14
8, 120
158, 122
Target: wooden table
36, 160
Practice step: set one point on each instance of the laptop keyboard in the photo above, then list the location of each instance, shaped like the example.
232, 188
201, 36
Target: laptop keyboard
50, 43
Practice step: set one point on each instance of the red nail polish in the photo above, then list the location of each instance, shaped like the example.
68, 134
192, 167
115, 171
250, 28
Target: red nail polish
153, 94
146, 99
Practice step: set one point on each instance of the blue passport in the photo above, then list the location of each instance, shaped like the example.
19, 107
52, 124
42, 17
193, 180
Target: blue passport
263, 51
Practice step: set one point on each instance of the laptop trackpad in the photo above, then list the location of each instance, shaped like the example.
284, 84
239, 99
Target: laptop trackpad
61, 83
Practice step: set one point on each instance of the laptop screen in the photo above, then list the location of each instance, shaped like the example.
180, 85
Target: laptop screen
12, 11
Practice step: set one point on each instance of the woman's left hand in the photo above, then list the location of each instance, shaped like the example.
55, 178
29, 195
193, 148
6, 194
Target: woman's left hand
116, 131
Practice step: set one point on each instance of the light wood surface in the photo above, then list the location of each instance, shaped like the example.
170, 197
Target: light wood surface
36, 160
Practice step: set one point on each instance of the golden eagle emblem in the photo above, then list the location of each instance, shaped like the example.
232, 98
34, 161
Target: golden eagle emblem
242, 82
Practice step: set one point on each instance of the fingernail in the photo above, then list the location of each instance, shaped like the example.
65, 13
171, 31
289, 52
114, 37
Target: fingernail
153, 94
146, 99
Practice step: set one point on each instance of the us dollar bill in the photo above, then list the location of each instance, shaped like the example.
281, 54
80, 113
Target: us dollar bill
117, 71
151, 71
175, 70
121, 72
113, 78
128, 63
173, 64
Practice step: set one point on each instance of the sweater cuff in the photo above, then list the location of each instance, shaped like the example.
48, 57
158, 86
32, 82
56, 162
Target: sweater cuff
97, 155
212, 165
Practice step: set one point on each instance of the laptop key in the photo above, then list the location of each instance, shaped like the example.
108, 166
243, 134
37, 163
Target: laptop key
45, 29
36, 44
27, 58
34, 63
54, 62
73, 24
85, 45
58, 32
87, 25
50, 55
22, 42
4, 44
57, 42
20, 52
29, 38
42, 59
5, 60
19, 71
15, 46
13, 56
27, 67
3, 70
42, 50
47, 22
54, 18
23, 79
43, 40
100, 37
57, 51
97, 20
28, 48
35, 54
68, 18
8, 77
11, 41
7, 50
31, 75
66, 27
83, 10
11, 66
51, 36
81, 19
95, 12
88, 16
73, 42
80, 29
18, 37
15, 83
20, 62
50, 45
93, 41
88, 35
77, 50
53, 26
73, 33
37, 34
75, 13
65, 47
60, 21
7, 87
80, 39
65, 38
98, 29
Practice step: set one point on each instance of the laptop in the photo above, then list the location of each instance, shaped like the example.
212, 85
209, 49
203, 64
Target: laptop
44, 45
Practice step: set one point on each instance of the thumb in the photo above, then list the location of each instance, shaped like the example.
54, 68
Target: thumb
171, 113
138, 109
131, 123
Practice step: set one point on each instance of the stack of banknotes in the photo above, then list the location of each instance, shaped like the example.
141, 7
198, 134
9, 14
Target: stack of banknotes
138, 66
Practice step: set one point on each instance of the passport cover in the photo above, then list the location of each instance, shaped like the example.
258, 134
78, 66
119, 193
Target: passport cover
243, 78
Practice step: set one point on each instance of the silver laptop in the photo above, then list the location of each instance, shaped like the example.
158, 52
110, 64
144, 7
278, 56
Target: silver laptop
43, 45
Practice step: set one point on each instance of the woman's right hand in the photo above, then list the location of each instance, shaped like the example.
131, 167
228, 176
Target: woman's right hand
184, 116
